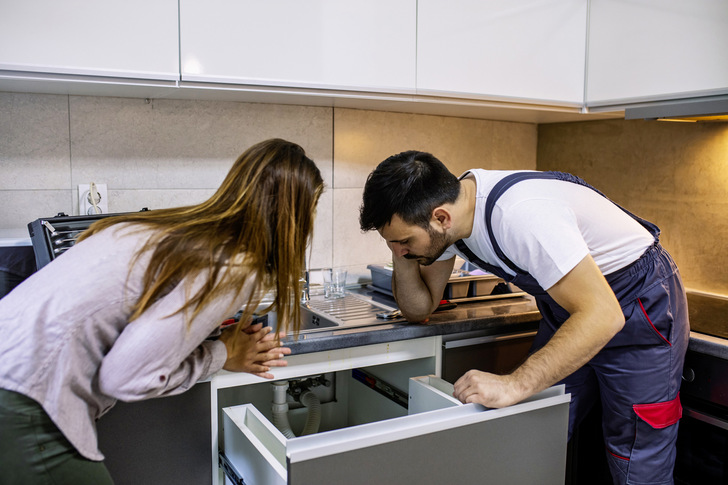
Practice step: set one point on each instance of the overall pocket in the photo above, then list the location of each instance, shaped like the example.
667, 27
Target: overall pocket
648, 321
651, 459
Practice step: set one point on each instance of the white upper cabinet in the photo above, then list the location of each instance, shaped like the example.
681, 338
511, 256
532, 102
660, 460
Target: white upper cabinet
656, 49
130, 39
527, 50
366, 45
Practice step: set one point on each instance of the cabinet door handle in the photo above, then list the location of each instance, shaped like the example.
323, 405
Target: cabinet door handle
487, 339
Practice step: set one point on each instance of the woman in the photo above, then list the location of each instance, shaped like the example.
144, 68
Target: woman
126, 313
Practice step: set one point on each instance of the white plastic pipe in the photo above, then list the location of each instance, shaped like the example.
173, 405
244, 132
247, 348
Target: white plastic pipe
280, 409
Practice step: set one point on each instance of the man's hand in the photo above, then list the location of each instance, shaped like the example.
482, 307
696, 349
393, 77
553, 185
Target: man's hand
490, 390
252, 349
595, 317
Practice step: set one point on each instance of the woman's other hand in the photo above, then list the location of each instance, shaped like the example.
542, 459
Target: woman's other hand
253, 349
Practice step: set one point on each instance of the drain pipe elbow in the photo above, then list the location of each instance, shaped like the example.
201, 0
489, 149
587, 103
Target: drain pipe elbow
280, 409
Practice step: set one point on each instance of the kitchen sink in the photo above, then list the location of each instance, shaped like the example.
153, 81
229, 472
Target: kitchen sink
351, 311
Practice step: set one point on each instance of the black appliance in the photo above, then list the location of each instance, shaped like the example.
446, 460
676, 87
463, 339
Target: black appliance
52, 236
702, 456
702, 445
16, 264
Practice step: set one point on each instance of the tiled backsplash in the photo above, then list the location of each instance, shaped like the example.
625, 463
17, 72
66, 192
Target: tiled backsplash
674, 174
163, 153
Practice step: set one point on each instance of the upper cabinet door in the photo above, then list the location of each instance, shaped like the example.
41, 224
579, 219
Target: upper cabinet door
528, 50
364, 45
656, 49
130, 39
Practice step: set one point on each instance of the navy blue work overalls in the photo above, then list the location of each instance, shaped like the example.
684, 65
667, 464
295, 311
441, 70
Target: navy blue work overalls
637, 374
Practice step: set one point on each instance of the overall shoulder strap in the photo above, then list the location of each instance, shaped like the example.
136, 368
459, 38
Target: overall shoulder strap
504, 184
508, 181
470, 255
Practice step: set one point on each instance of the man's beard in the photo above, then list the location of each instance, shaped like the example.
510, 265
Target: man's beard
439, 242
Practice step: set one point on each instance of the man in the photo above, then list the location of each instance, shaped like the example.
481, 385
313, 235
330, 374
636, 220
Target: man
614, 314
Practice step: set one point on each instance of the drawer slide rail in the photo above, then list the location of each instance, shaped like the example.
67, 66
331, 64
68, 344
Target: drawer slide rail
229, 470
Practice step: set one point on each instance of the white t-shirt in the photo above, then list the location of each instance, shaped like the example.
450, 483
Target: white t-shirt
546, 227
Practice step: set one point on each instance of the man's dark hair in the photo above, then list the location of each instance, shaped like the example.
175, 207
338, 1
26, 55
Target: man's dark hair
410, 184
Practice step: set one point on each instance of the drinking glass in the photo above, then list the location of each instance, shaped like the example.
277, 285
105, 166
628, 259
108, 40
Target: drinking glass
334, 282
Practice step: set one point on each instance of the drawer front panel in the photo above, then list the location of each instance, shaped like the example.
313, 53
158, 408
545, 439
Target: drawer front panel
521, 444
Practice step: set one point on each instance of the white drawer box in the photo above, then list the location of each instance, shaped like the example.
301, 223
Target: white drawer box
440, 441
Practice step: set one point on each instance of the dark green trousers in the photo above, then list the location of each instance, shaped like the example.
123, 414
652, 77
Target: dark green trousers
34, 451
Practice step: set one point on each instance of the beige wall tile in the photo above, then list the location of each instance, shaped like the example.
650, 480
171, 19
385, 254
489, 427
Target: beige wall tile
674, 174
350, 245
321, 251
131, 143
19, 207
132, 200
365, 138
362, 139
34, 143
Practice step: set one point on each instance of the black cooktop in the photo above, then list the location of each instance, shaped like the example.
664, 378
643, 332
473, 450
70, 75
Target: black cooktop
708, 315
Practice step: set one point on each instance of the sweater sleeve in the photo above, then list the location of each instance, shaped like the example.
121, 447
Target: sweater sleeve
163, 352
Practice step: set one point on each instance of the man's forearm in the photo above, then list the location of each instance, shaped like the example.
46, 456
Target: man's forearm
572, 346
412, 294
595, 317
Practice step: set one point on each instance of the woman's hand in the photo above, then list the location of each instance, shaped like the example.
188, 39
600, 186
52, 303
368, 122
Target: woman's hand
253, 349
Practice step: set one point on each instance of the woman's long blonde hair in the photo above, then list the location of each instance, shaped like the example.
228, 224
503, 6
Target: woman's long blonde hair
262, 216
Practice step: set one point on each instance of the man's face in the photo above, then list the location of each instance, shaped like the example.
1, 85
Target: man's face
414, 242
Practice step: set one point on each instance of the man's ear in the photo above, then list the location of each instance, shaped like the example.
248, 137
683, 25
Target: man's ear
442, 217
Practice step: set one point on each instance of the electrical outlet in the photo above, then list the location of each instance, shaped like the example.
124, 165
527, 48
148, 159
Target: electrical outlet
85, 202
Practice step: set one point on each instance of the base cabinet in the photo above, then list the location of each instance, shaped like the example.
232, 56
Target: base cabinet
159, 441
437, 440
499, 354
379, 423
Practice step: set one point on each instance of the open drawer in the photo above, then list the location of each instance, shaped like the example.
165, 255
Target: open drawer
440, 441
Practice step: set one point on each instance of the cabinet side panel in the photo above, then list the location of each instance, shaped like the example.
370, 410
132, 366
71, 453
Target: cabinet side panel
165, 440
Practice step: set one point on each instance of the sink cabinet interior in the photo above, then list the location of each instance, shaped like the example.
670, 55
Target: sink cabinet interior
368, 435
345, 402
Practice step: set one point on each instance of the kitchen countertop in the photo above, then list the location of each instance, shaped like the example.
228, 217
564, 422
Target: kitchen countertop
492, 317
709, 323
707, 344
15, 241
